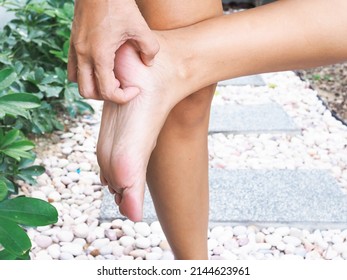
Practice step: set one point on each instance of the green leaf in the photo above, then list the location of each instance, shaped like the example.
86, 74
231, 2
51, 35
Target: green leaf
24, 163
50, 91
13, 238
17, 154
23, 145
3, 190
9, 185
28, 211
39, 74
27, 174
9, 138
84, 106
22, 100
61, 74
7, 77
35, 170
7, 256
8, 109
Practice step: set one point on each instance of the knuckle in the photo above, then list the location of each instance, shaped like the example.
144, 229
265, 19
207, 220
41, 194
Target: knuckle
81, 49
88, 94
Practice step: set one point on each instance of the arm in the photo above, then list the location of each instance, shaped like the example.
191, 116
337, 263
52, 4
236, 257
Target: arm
285, 35
99, 28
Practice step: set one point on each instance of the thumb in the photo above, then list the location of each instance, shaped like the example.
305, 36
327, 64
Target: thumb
148, 46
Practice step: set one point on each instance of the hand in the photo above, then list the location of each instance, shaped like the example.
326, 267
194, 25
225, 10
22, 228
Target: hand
99, 28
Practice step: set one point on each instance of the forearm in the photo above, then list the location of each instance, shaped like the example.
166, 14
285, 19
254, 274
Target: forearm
286, 35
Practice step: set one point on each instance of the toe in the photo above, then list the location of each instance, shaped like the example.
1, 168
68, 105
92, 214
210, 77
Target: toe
132, 203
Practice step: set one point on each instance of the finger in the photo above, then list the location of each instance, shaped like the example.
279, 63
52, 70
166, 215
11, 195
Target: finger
109, 87
103, 179
72, 64
148, 46
118, 199
86, 81
111, 190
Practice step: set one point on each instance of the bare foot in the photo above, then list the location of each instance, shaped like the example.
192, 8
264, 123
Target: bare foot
128, 132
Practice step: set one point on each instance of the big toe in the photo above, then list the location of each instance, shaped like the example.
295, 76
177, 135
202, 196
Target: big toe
131, 204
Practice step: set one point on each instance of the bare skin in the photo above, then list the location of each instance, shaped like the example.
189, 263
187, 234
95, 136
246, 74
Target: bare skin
99, 28
185, 62
181, 148
118, 152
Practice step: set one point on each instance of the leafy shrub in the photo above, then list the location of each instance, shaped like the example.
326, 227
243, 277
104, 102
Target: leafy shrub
16, 159
34, 93
35, 46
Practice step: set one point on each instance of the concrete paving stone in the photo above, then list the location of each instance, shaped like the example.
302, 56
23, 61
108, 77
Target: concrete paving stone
261, 118
300, 197
277, 196
253, 80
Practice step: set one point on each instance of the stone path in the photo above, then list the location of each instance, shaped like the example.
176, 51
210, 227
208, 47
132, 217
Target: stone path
275, 194
309, 198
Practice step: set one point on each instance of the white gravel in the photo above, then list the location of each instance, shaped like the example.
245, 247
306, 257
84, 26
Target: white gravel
71, 183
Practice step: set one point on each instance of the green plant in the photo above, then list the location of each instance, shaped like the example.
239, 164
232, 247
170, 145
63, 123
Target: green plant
19, 211
34, 93
35, 46
16, 163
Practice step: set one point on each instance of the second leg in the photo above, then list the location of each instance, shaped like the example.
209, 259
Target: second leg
177, 173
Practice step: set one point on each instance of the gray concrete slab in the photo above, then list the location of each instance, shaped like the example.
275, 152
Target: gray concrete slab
254, 80
263, 118
270, 197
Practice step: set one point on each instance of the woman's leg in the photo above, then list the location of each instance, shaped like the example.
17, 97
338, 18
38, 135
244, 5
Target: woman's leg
197, 56
178, 169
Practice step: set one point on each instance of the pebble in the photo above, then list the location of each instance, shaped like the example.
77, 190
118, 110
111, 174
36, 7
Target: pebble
143, 243
138, 253
282, 231
43, 255
85, 166
164, 245
65, 236
240, 230
67, 151
128, 230
72, 185
127, 241
313, 255
156, 227
212, 244
81, 230
142, 229
106, 250
66, 256
43, 241
72, 248
217, 232
292, 240
155, 240
111, 234
330, 253
54, 251
39, 195
99, 243
118, 251
72, 167
66, 180
117, 223
153, 256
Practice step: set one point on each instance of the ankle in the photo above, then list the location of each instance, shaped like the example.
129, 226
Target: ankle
181, 59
